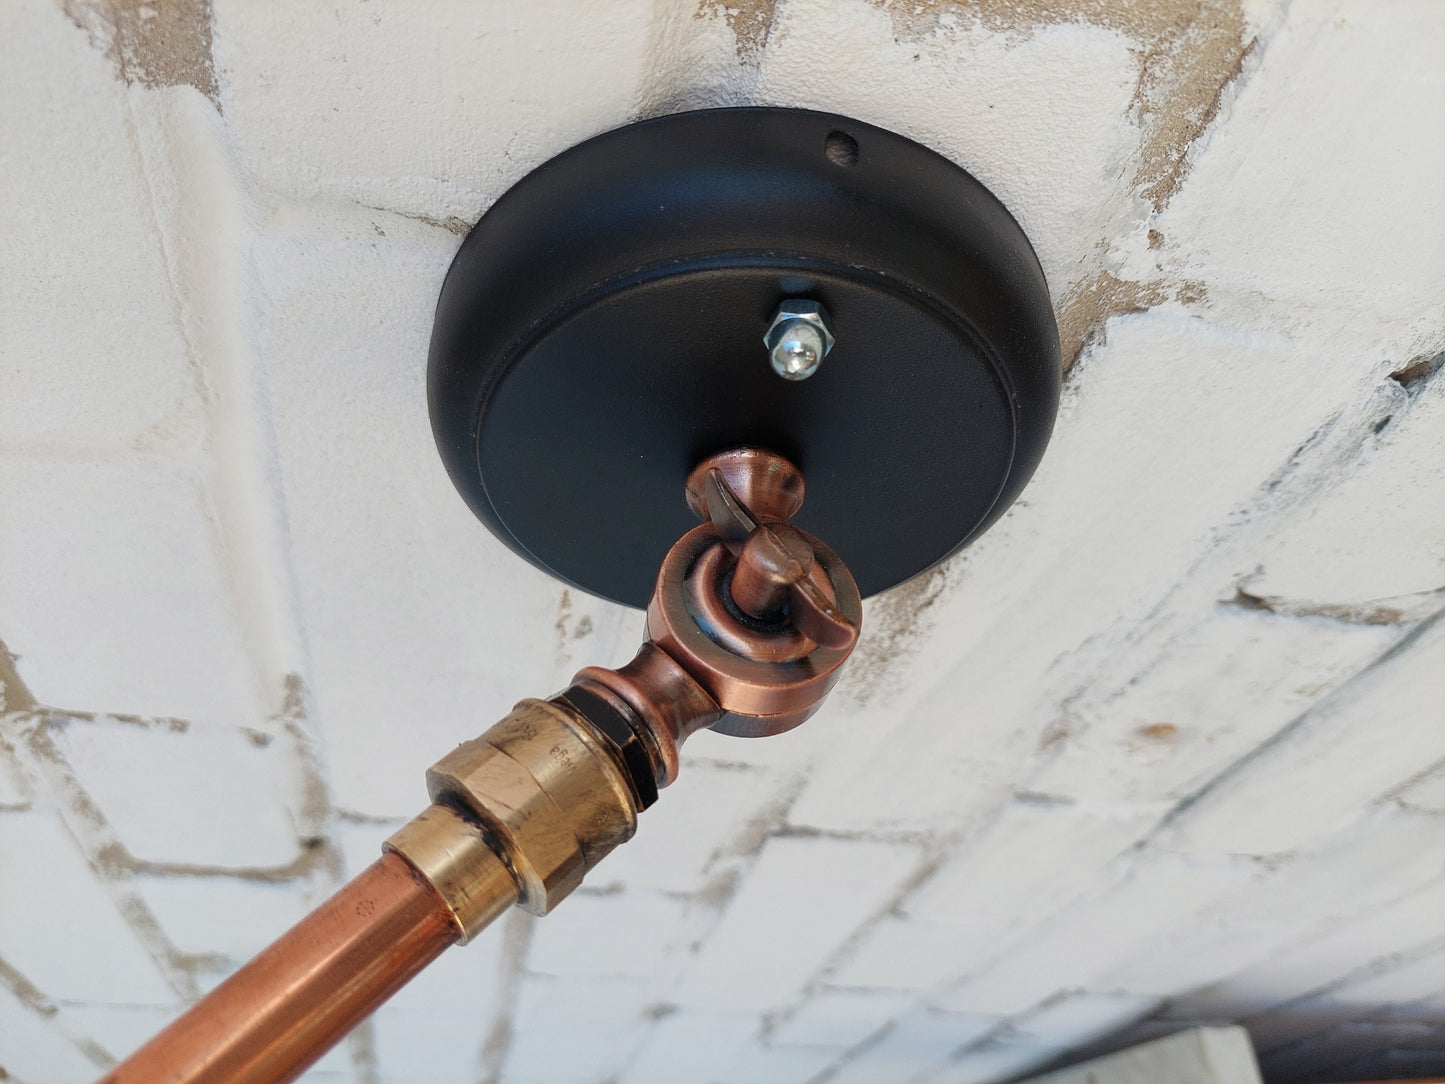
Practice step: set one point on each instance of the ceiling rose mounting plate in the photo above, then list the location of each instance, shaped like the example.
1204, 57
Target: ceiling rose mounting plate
601, 331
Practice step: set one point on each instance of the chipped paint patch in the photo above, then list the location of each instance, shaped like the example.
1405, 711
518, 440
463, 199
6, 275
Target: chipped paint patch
1084, 313
1086, 310
451, 223
894, 622
314, 803
751, 21
164, 43
1417, 371
1188, 55
14, 694
1405, 610
1189, 51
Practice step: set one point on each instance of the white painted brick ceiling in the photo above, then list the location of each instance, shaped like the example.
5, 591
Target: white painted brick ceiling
1166, 746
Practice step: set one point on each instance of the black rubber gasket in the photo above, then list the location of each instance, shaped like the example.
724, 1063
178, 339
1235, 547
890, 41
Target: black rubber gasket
618, 732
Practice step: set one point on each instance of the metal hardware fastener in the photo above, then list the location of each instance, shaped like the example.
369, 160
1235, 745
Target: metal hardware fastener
798, 339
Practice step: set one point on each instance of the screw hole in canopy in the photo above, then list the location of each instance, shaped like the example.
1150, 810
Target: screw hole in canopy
841, 148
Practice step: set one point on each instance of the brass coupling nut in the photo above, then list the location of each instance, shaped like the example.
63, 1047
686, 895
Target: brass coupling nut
548, 789
453, 854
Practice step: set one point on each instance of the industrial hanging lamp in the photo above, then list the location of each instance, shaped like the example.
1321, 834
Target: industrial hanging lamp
640, 352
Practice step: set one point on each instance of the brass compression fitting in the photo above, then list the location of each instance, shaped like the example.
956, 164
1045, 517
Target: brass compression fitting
749, 624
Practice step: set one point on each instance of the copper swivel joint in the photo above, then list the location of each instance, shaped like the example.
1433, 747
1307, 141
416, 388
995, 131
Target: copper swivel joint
751, 617
749, 625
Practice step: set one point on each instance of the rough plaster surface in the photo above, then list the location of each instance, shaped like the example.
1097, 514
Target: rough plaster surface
1166, 747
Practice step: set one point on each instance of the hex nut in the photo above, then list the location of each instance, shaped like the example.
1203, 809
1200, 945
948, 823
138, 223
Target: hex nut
798, 339
575, 769
621, 739
554, 799
531, 830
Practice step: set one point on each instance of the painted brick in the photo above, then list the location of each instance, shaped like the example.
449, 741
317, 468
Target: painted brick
360, 844
61, 931
15, 789
991, 1063
703, 1047
1316, 778
1378, 535
1426, 794
1415, 980
233, 916
1388, 857
789, 753
920, 1038
773, 936
442, 1045
413, 608
225, 801
1146, 1031
625, 934
1176, 725
112, 596
602, 1020
468, 975
970, 93
345, 1061
1076, 948
839, 1018
1031, 859
1007, 872
1156, 409
1339, 61
436, 1027
116, 376
697, 826
440, 140
1325, 958
780, 1064
119, 1030
1080, 1018
903, 953
695, 1047
36, 1050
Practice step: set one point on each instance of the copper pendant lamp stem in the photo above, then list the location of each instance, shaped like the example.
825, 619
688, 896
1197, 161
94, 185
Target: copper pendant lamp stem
522, 813
293, 1002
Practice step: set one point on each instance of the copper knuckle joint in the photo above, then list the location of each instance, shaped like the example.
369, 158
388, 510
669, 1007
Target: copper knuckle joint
550, 793
661, 700
767, 679
760, 614
764, 481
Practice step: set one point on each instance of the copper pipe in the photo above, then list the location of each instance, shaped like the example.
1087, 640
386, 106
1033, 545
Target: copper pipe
277, 1015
